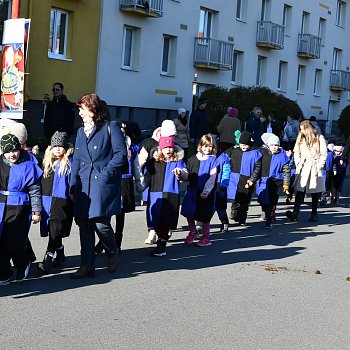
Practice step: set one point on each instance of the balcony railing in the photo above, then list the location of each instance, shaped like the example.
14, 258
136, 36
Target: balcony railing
270, 35
149, 8
212, 54
339, 80
309, 46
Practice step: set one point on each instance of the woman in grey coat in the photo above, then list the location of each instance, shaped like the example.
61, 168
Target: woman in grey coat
99, 156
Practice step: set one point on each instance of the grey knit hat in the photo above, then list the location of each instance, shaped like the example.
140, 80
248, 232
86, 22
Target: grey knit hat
9, 143
59, 139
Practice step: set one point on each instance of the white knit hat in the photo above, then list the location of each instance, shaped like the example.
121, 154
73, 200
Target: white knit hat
168, 128
181, 110
270, 139
20, 131
339, 148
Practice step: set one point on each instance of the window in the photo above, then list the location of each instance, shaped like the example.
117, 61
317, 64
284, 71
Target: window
205, 23
237, 67
317, 82
261, 71
5, 13
282, 76
340, 14
301, 79
305, 23
322, 30
287, 18
336, 59
265, 10
130, 51
168, 55
58, 34
241, 10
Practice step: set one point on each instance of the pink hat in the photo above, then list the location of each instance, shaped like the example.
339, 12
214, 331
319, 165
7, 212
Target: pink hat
233, 112
165, 142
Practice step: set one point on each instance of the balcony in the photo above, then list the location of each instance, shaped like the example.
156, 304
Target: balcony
339, 80
146, 8
309, 46
270, 35
212, 54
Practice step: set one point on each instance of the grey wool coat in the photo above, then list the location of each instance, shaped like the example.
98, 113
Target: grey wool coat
96, 171
310, 163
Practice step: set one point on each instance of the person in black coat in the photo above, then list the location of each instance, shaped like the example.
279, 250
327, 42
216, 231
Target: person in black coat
199, 122
59, 114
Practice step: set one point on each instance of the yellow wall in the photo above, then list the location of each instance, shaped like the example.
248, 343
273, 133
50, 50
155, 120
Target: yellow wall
77, 76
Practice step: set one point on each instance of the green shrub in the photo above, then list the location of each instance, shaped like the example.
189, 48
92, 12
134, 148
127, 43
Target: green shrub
245, 99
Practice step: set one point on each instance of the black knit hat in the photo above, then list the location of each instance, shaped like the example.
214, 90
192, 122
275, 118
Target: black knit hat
9, 143
245, 138
59, 139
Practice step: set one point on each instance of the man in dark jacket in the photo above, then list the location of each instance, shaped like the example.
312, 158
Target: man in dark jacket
59, 115
255, 125
199, 122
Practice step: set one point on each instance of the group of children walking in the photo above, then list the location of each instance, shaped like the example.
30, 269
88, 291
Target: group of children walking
31, 194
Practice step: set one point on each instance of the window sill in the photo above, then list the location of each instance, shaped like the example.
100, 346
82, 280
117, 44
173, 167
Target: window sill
340, 26
317, 95
300, 93
60, 58
129, 69
241, 20
281, 91
167, 75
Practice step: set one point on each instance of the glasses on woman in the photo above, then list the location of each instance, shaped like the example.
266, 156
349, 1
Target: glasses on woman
56, 89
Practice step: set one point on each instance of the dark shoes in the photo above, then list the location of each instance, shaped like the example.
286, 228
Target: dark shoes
22, 272
83, 272
46, 264
113, 263
60, 258
160, 249
99, 247
292, 216
313, 218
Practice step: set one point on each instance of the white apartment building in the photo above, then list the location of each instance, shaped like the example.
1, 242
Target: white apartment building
157, 55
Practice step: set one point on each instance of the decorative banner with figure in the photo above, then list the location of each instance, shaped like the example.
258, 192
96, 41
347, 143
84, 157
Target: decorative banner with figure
14, 50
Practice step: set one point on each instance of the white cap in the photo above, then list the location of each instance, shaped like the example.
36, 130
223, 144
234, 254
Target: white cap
181, 110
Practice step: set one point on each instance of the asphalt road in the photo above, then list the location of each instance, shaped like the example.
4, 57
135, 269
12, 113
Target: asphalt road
246, 291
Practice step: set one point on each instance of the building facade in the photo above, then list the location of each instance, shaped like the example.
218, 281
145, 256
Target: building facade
63, 47
158, 55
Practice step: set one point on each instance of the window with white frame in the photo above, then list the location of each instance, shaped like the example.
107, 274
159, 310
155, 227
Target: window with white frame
261, 71
205, 23
340, 13
301, 79
336, 61
58, 33
237, 67
265, 10
305, 23
241, 10
282, 76
317, 82
287, 18
131, 48
168, 55
322, 30
5, 13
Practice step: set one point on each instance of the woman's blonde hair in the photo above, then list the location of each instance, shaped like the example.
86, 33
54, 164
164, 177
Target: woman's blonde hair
309, 134
50, 162
205, 140
159, 156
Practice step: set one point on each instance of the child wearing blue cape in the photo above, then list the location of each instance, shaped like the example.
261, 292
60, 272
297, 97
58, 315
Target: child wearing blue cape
275, 174
20, 204
57, 214
245, 167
